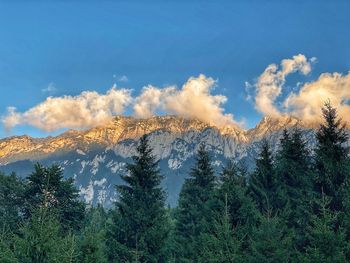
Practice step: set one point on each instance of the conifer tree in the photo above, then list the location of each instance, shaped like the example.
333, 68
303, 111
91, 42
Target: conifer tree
327, 243
46, 184
11, 201
41, 240
193, 213
271, 241
222, 244
92, 244
293, 169
6, 254
263, 184
232, 192
139, 228
332, 160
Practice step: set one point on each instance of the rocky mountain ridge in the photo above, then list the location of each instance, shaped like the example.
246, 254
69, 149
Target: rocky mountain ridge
96, 157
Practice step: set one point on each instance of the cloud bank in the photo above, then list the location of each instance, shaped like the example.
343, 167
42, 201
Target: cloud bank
82, 111
88, 109
306, 102
193, 100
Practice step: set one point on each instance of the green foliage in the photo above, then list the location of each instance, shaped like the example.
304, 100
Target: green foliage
11, 201
41, 240
140, 226
193, 213
293, 168
264, 185
92, 245
231, 194
6, 254
222, 244
327, 243
47, 187
332, 160
271, 241
294, 207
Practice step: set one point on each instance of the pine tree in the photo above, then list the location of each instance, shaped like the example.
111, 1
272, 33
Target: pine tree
6, 254
41, 240
263, 184
193, 213
11, 201
47, 184
327, 243
139, 229
293, 169
92, 245
271, 241
232, 192
332, 160
222, 245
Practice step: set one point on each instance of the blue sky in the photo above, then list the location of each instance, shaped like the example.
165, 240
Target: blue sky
88, 45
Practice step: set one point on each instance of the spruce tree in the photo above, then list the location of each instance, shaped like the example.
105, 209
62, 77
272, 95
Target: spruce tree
222, 244
271, 241
92, 244
327, 243
263, 184
11, 201
41, 240
193, 213
139, 227
232, 193
47, 184
293, 169
332, 160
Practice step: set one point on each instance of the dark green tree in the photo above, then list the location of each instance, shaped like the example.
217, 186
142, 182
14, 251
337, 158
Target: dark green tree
11, 201
264, 186
327, 243
193, 213
47, 186
140, 227
6, 254
293, 168
92, 243
41, 240
271, 241
232, 194
222, 244
332, 159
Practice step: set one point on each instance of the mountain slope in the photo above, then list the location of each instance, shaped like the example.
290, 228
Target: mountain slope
96, 157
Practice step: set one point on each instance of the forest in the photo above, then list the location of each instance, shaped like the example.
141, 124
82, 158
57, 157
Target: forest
293, 207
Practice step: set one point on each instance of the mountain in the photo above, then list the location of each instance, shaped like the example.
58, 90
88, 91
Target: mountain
95, 158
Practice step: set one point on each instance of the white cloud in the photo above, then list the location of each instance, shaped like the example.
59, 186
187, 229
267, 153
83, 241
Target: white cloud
85, 110
307, 102
270, 83
193, 100
306, 99
88, 109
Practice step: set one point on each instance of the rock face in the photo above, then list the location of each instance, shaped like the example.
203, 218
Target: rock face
95, 158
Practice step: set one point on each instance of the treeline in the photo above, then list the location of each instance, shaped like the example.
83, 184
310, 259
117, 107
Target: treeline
294, 207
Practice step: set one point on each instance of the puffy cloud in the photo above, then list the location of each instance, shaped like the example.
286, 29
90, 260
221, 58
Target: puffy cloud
88, 109
270, 83
193, 100
307, 102
84, 110
149, 101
